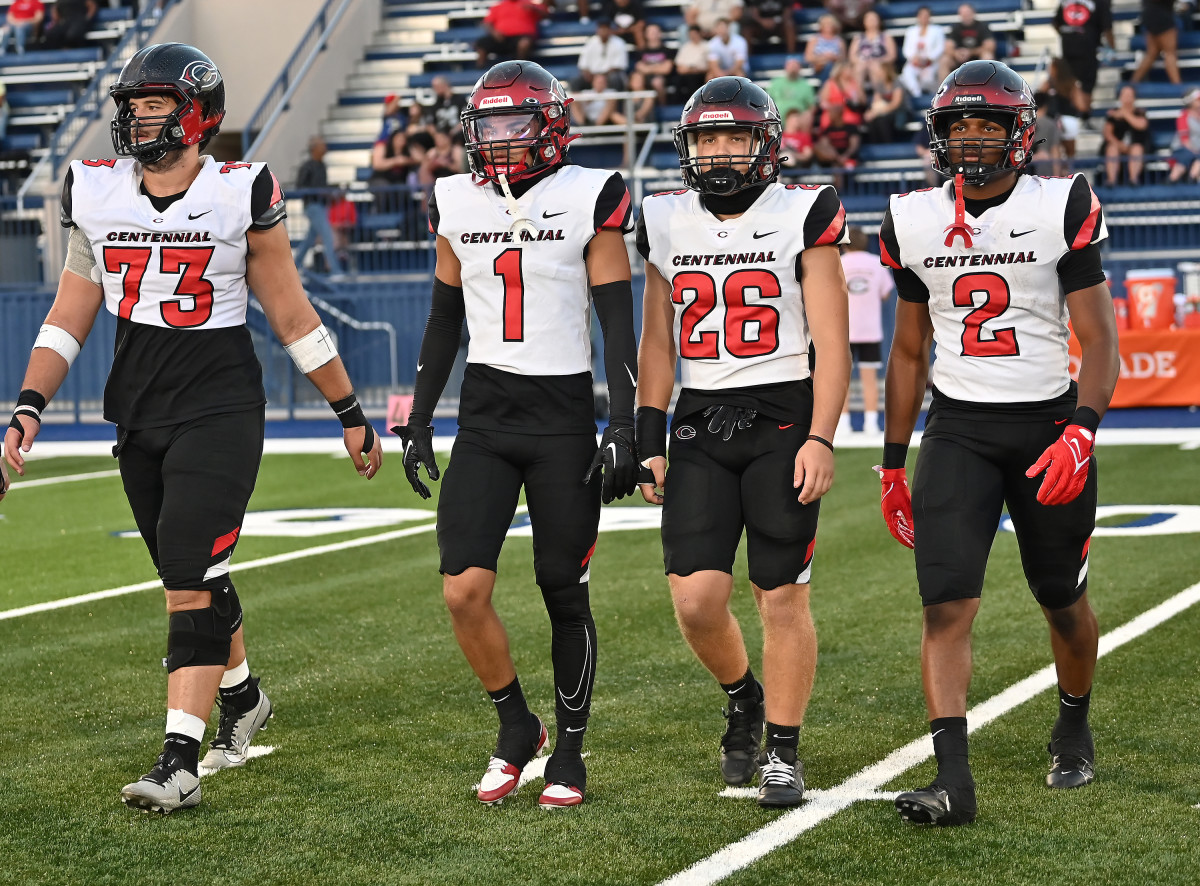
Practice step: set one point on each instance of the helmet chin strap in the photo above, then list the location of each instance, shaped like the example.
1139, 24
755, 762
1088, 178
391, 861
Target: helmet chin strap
960, 228
520, 222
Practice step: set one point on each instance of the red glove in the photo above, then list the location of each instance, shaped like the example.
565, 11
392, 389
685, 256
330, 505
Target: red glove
896, 503
1065, 462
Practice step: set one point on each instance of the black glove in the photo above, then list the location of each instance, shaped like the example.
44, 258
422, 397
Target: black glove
617, 457
418, 450
724, 420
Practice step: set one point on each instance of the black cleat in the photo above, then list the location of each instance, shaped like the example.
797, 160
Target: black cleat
1073, 760
938, 804
782, 782
739, 744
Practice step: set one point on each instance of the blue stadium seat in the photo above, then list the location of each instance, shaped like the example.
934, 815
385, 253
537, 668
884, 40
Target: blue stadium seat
1161, 90
35, 98
893, 151
909, 9
108, 14
62, 57
21, 141
1187, 40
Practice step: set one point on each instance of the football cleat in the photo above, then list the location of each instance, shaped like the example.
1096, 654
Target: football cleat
739, 744
1073, 760
782, 781
165, 788
234, 733
938, 804
566, 778
501, 777
560, 796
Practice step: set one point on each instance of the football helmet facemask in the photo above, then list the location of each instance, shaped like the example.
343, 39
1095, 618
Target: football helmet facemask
992, 91
185, 74
516, 106
729, 103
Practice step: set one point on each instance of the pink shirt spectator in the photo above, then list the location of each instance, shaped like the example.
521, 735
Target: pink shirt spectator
869, 284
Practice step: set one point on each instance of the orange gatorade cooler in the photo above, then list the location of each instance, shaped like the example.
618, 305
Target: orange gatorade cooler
1121, 309
1151, 294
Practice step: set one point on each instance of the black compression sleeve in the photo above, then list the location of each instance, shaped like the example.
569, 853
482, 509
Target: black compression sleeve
439, 346
1080, 268
614, 307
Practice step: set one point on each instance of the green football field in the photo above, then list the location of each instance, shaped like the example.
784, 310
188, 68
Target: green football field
381, 731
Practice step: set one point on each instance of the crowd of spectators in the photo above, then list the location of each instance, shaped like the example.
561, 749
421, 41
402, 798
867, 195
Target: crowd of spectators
28, 26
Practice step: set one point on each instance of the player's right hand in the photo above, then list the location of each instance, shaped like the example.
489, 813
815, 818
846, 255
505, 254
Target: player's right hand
418, 452
896, 504
652, 477
3, 479
724, 420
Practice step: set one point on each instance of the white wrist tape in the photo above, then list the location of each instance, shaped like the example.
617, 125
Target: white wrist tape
57, 339
312, 351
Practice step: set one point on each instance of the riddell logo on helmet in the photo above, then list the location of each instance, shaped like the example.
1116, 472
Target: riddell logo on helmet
493, 100
716, 115
969, 98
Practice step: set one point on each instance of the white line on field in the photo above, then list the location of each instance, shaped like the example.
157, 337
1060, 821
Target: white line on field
826, 804
65, 478
258, 750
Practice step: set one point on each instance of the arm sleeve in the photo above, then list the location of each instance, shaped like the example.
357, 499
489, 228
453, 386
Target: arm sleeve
613, 207
1080, 269
1083, 221
267, 207
614, 307
65, 216
439, 346
81, 261
909, 286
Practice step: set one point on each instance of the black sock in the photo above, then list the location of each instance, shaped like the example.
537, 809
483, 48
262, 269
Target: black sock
950, 748
510, 704
241, 697
782, 736
187, 748
1072, 711
570, 736
746, 687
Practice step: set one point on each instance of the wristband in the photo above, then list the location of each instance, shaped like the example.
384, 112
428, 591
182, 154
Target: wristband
651, 434
312, 351
349, 413
821, 440
894, 455
1086, 417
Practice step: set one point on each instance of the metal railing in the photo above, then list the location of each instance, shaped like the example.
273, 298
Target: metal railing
628, 131
275, 102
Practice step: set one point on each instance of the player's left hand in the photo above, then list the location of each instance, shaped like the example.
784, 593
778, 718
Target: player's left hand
724, 420
363, 439
895, 500
617, 460
3, 479
814, 471
418, 452
1065, 462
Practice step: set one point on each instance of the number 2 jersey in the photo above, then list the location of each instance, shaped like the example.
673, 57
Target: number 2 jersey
740, 326
999, 306
176, 280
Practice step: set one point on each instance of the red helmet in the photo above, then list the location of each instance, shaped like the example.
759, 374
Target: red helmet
516, 104
729, 103
993, 91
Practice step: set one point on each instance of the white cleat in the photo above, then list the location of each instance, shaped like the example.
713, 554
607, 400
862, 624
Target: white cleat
165, 788
234, 733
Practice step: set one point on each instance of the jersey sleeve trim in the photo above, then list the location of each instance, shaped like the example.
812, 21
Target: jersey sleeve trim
65, 217
889, 246
1083, 215
267, 205
435, 215
613, 206
641, 237
826, 221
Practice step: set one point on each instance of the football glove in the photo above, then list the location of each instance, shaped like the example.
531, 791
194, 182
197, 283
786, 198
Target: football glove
896, 503
1065, 462
418, 452
724, 420
619, 463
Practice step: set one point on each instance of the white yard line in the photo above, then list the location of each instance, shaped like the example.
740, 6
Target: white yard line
65, 478
821, 805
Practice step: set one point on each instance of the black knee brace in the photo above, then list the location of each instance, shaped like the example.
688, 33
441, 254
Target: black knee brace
201, 637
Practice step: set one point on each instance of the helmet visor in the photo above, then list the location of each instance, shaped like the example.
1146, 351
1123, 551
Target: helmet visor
516, 126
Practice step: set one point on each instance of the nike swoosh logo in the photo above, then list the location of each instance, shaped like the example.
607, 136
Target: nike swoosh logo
198, 214
785, 427
498, 700
576, 728
408, 445
630, 372
1022, 234
184, 795
936, 734
554, 214
1080, 461
420, 366
612, 448
758, 236
1061, 421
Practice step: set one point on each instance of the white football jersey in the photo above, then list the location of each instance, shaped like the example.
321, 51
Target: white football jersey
739, 308
527, 300
183, 268
998, 309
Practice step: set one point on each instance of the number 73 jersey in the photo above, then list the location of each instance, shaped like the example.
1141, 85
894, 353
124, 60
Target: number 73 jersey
998, 308
739, 309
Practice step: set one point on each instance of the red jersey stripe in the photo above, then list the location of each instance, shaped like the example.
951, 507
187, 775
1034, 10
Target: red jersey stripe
1084, 237
618, 216
834, 232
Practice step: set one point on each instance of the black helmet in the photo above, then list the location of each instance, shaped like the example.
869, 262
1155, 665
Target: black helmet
723, 103
182, 72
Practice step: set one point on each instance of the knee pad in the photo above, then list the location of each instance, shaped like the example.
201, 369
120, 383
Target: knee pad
225, 600
1058, 595
200, 637
568, 604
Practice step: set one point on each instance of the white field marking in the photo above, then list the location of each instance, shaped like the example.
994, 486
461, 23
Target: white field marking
65, 478
826, 804
809, 794
258, 750
535, 768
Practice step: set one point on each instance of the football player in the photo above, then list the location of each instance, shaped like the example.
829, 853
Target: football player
990, 266
742, 275
172, 242
526, 244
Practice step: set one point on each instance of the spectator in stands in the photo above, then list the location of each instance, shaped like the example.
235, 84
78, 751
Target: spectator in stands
1162, 38
628, 19
1062, 88
920, 143
849, 13
70, 20
429, 162
446, 110
3, 110
511, 27
1185, 149
836, 145
652, 69
843, 90
691, 63
706, 14
886, 113
599, 110
873, 45
923, 47
1081, 24
826, 47
797, 150
390, 160
603, 53
20, 24
762, 18
1126, 136
1047, 138
791, 90
967, 39
313, 176
450, 145
728, 53
394, 117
